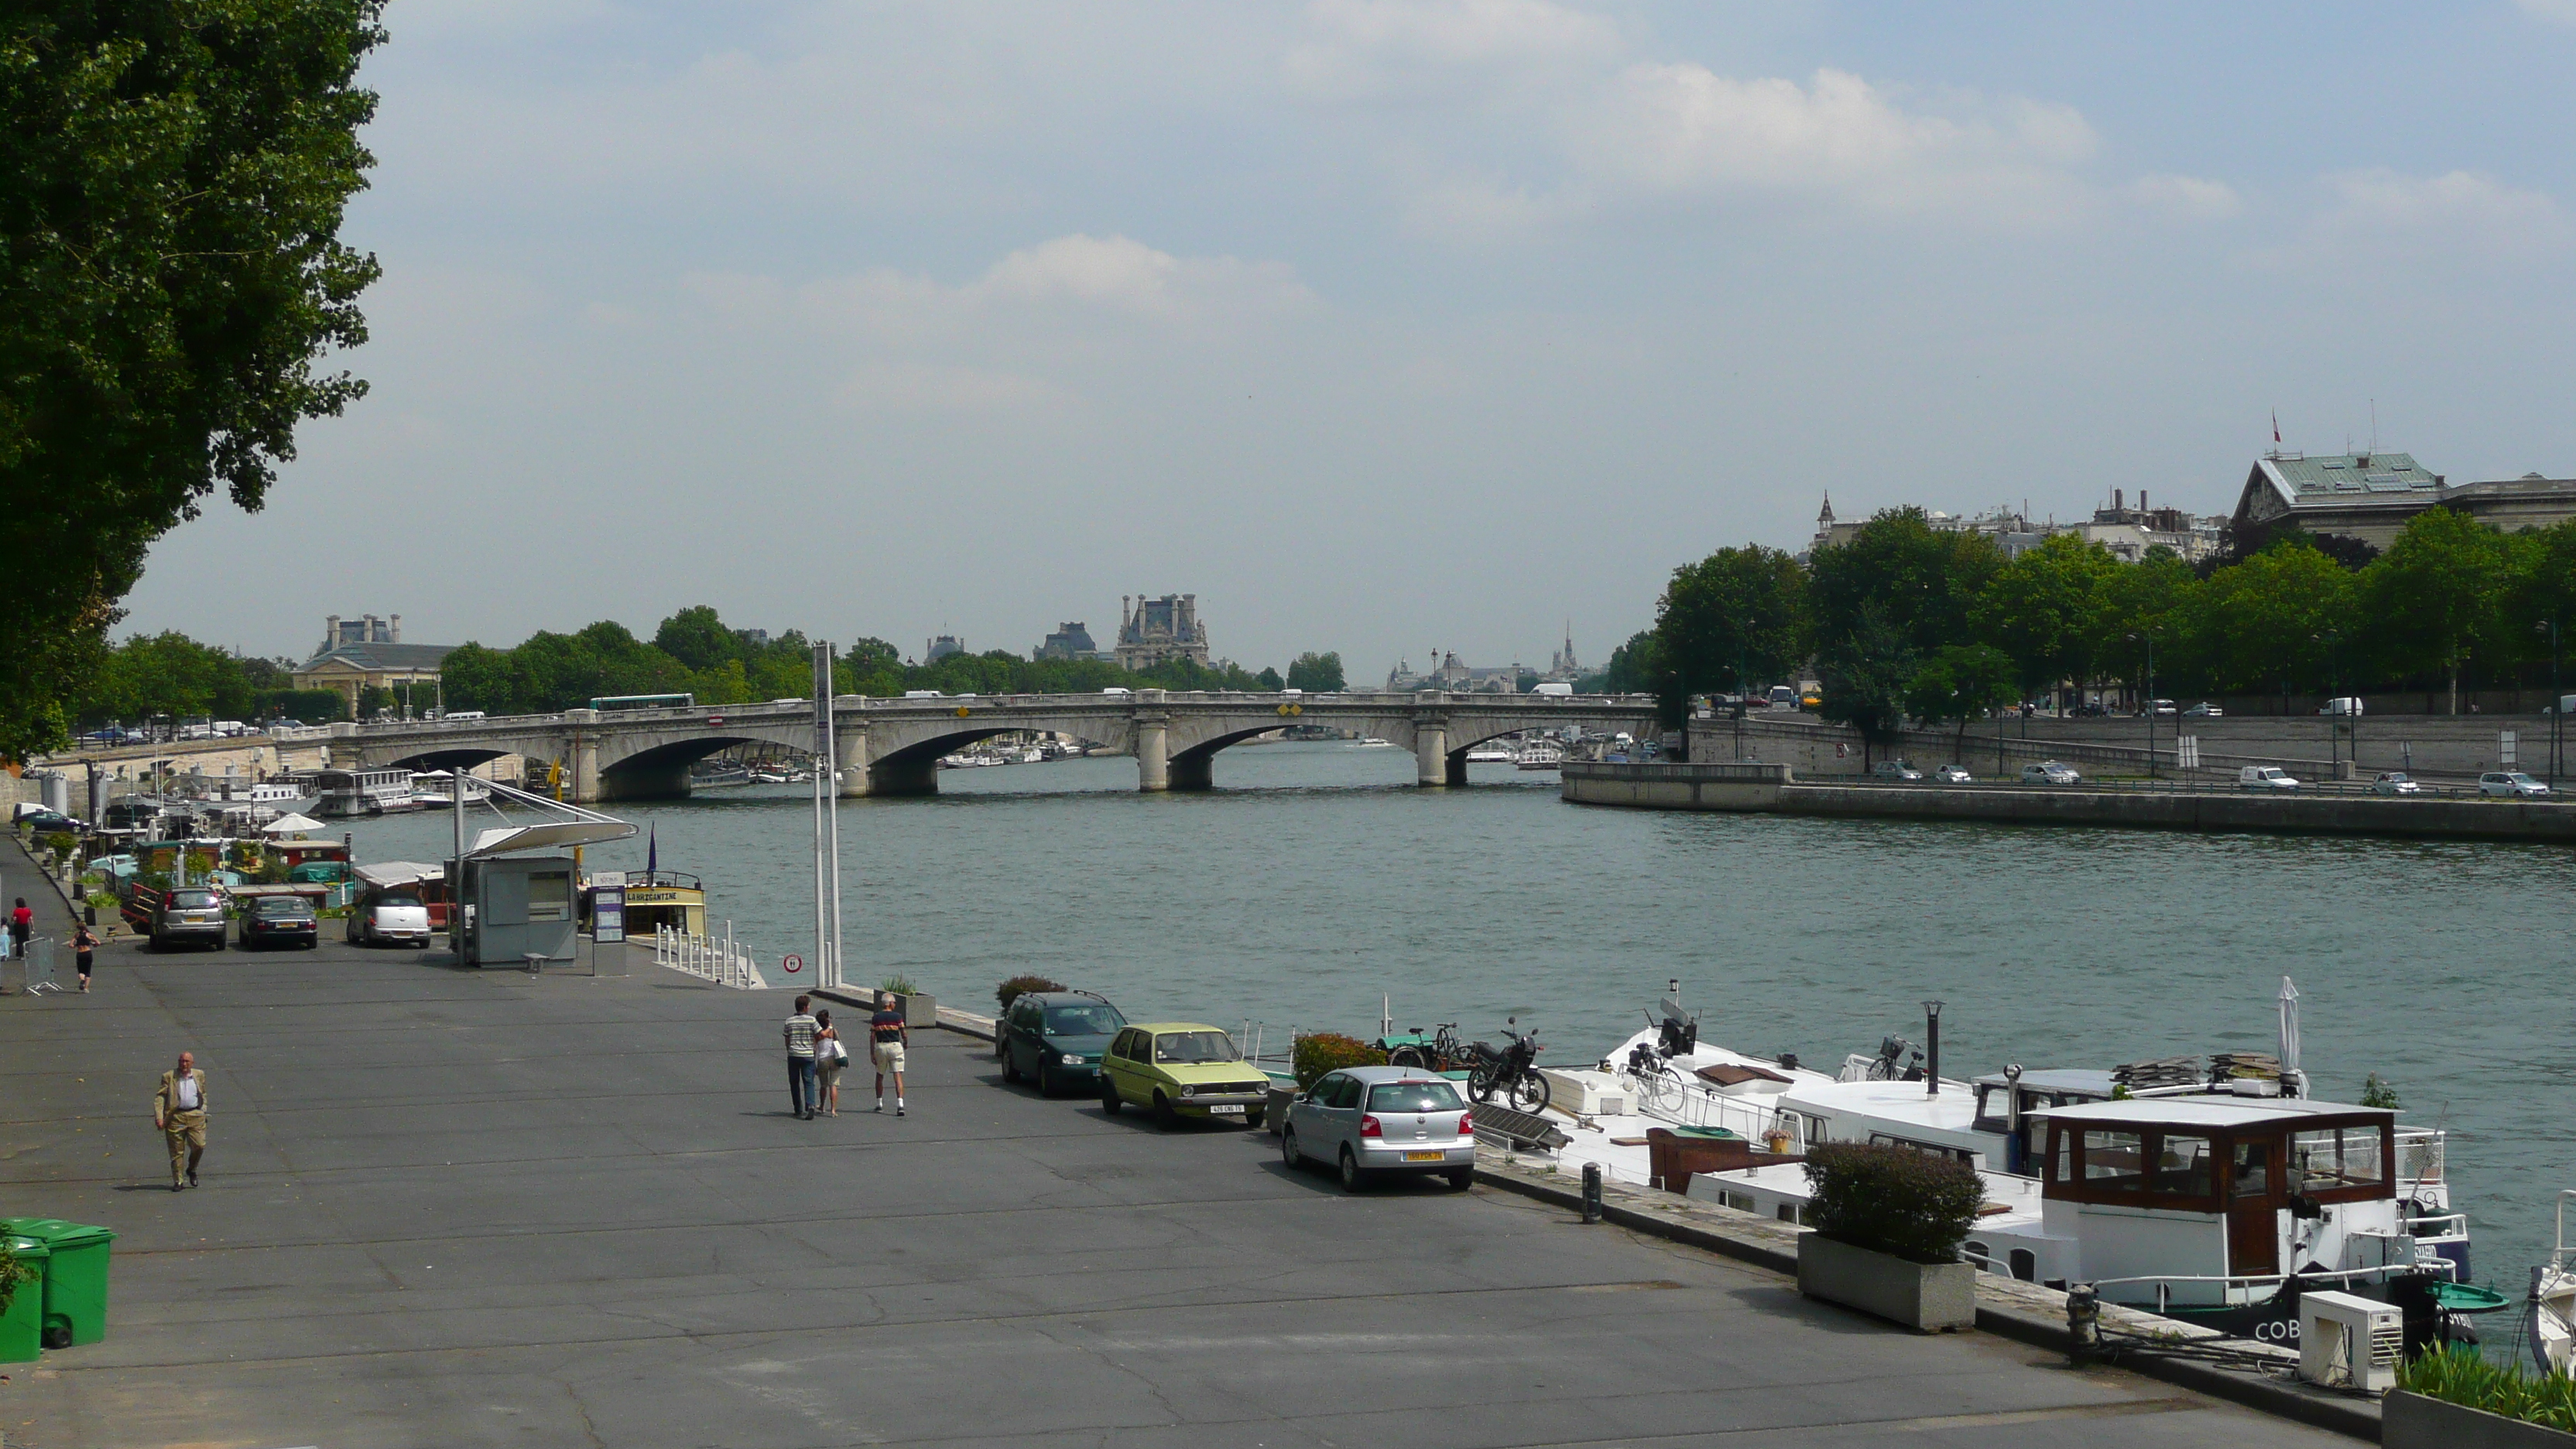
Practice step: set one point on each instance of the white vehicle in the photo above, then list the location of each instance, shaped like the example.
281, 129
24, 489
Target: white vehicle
1292, 693
391, 911
1896, 770
922, 694
465, 714
1783, 697
1114, 689
2511, 784
2049, 772
1558, 690
2395, 782
2265, 777
1953, 775
2204, 710
2346, 707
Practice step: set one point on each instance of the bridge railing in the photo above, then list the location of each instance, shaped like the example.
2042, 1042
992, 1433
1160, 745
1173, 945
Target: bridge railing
709, 958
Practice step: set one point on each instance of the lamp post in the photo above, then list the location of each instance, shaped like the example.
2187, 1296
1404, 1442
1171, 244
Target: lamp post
1932, 1047
2334, 715
2557, 701
2149, 635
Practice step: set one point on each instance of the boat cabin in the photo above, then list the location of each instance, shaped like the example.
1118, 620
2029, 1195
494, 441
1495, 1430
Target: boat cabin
343, 794
1900, 1114
2203, 1193
655, 899
2009, 1103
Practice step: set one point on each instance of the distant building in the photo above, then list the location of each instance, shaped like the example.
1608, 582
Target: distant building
1156, 630
1069, 641
756, 638
1561, 666
2126, 532
368, 653
2371, 496
941, 647
1455, 677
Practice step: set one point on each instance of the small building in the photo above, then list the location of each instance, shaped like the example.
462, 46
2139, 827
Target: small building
941, 647
1157, 630
1071, 640
368, 653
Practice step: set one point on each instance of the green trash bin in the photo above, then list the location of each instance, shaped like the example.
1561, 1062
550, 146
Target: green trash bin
76, 1281
22, 1327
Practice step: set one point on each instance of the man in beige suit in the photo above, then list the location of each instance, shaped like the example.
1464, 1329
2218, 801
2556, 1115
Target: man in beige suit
179, 1110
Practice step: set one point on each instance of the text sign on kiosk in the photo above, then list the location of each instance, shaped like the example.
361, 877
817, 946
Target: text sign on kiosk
794, 963
608, 914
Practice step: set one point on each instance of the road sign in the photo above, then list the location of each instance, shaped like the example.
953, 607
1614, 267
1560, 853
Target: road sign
794, 963
2505, 748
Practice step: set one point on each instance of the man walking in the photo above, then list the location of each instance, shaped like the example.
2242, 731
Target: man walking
886, 1038
179, 1110
800, 1060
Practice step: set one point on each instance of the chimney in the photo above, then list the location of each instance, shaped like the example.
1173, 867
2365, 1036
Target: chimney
2142, 500
330, 632
397, 619
2115, 500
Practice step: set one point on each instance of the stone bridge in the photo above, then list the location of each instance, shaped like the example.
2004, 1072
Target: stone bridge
892, 746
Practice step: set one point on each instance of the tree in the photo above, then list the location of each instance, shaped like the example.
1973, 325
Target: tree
1635, 667
2436, 597
2045, 609
698, 638
1962, 682
1898, 591
1735, 618
2261, 625
1316, 673
2149, 599
170, 270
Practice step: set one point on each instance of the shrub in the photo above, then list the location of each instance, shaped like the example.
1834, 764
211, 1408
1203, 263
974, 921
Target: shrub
2376, 1092
13, 1271
899, 984
1893, 1200
2461, 1375
1011, 990
1319, 1052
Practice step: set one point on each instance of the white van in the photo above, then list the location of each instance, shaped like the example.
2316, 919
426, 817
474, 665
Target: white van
1114, 689
2264, 777
465, 714
2346, 707
922, 694
1783, 697
1558, 690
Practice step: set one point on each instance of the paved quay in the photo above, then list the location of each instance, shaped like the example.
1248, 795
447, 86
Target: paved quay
445, 1207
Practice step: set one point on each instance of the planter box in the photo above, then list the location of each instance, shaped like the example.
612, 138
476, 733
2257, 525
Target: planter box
2412, 1421
920, 1010
1931, 1297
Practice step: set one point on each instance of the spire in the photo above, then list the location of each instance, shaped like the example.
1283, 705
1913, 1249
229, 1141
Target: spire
1825, 519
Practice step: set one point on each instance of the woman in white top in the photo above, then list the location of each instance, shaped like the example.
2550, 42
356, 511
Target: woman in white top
829, 1057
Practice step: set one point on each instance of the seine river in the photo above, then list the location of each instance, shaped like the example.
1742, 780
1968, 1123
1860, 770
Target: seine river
1316, 879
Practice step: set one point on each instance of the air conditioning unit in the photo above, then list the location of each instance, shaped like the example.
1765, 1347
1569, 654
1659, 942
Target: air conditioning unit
2350, 1341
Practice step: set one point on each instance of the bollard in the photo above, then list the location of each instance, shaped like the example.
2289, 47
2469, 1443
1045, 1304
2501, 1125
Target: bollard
2083, 1324
1592, 1192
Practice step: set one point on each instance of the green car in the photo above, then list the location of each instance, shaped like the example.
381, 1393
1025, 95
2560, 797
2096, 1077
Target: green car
1182, 1069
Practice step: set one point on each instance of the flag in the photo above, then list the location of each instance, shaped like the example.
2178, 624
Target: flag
652, 852
2276, 427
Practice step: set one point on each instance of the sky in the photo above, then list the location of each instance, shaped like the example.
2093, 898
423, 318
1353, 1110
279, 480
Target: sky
1382, 326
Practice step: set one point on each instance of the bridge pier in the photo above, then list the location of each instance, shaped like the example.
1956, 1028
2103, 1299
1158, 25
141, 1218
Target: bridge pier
1193, 771
1431, 757
850, 758
1457, 767
635, 782
902, 776
585, 758
1153, 752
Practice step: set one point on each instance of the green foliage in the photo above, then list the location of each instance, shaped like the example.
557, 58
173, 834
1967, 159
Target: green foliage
2461, 1375
1881, 603
1635, 667
14, 1271
1315, 673
1962, 682
1731, 623
1894, 1200
2376, 1092
1011, 990
899, 984
170, 200
1269, 679
2262, 623
1319, 1052
60, 843
2436, 598
2046, 609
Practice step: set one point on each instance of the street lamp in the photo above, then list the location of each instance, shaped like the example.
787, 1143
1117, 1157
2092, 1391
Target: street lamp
1932, 1047
2149, 635
2334, 717
2557, 702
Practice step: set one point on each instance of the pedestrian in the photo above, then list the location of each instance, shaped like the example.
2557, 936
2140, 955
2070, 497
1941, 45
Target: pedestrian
84, 942
22, 924
829, 1057
887, 1037
179, 1110
800, 1061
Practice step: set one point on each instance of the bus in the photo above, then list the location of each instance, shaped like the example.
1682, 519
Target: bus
645, 701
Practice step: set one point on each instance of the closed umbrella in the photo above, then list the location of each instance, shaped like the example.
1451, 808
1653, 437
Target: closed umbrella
2291, 1082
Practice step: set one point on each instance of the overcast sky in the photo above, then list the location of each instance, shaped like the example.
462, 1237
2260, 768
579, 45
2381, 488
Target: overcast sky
1379, 325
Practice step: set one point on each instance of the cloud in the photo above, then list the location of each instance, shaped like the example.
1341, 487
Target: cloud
1369, 47
2471, 207
2188, 198
2556, 12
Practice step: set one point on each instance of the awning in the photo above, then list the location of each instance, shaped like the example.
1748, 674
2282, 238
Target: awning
400, 872
292, 825
554, 834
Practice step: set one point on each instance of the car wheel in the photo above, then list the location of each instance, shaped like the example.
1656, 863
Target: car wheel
1164, 1116
1252, 1117
1288, 1152
1463, 1179
1046, 1082
1109, 1103
1010, 1067
1351, 1175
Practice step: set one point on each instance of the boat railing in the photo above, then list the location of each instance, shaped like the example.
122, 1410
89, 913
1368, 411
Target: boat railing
709, 958
2239, 1288
1703, 1106
2419, 1154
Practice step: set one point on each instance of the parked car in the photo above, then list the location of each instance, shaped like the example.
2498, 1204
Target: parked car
389, 913
2205, 710
2265, 777
1895, 770
1371, 1120
1783, 697
2345, 707
279, 921
2395, 782
2049, 772
2511, 783
188, 915
2162, 708
1055, 1038
1953, 775
46, 822
1181, 1069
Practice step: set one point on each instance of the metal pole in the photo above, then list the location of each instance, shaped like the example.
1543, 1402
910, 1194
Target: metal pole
832, 810
822, 771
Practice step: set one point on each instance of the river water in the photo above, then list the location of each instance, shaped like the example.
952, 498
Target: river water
1317, 879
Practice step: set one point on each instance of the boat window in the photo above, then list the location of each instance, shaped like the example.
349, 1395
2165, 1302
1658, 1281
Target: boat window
2065, 1157
2115, 1160
2183, 1166
1189, 1048
2253, 1170
2342, 1157
2025, 1264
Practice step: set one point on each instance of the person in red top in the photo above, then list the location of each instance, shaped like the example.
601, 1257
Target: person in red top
886, 1038
22, 924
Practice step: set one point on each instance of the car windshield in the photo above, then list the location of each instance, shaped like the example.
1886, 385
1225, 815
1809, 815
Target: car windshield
1182, 1048
283, 906
1413, 1097
1083, 1020
192, 900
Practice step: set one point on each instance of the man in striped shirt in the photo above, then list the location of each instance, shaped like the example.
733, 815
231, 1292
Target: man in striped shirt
800, 1060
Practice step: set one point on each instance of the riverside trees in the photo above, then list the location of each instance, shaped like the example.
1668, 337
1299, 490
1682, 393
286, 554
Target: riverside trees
1910, 620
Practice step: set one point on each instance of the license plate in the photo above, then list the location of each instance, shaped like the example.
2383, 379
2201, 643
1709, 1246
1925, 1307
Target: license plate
1227, 1111
1422, 1157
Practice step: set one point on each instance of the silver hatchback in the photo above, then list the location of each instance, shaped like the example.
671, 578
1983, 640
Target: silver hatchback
1371, 1120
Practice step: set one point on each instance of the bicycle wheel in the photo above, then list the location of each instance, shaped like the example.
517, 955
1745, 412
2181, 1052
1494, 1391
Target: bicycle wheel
1658, 1091
1409, 1056
1528, 1093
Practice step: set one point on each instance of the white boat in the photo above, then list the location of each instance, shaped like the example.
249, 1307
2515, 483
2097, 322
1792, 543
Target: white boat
345, 794
1492, 752
1539, 755
435, 790
2553, 1304
1372, 742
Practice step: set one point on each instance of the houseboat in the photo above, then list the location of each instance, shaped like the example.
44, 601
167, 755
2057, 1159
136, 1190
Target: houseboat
654, 899
347, 794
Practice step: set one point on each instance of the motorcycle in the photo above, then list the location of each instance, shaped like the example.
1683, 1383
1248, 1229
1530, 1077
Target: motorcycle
1508, 1072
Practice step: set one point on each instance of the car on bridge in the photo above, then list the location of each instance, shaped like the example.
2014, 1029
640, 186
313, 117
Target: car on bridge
1055, 1039
2511, 784
2049, 772
2395, 782
1953, 775
1896, 770
1182, 1069
2265, 777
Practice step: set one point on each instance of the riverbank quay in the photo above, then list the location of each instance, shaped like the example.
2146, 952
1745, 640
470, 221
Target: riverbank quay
446, 1207
1775, 790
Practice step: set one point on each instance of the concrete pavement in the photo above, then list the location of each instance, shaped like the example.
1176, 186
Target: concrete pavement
455, 1208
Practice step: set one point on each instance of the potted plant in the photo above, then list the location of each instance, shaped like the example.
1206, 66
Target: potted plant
2456, 1399
920, 1008
1888, 1222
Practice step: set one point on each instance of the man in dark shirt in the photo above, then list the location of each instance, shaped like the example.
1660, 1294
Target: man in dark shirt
887, 1038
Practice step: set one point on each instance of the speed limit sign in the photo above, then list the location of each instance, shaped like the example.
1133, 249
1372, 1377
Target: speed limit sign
794, 963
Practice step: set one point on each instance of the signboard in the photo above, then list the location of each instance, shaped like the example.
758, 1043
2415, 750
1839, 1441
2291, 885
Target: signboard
794, 963
608, 915
2504, 748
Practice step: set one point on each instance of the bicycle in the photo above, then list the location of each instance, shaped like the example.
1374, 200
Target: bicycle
1442, 1052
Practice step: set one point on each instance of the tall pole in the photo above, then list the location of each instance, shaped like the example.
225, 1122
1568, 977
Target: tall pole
827, 842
